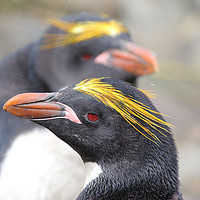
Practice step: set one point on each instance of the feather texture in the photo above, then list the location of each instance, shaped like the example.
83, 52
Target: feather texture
129, 108
80, 31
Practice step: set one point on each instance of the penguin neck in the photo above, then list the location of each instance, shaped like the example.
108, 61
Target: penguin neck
127, 180
104, 182
93, 170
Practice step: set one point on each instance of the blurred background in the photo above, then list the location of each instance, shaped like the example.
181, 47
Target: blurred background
170, 28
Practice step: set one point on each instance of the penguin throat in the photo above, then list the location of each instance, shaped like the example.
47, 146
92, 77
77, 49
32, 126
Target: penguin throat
93, 170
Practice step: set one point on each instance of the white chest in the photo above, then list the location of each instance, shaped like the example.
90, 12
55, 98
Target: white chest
39, 166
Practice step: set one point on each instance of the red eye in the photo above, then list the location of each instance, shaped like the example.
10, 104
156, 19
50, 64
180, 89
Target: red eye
92, 117
86, 56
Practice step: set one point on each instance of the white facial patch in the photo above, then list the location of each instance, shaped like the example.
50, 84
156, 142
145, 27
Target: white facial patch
93, 170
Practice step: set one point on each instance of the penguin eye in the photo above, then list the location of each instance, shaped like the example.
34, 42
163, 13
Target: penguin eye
92, 117
86, 56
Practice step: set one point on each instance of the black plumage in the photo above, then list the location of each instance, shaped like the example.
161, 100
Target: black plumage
133, 167
33, 69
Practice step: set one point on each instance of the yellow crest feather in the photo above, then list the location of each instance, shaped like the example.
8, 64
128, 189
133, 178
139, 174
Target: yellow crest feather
127, 107
81, 31
148, 93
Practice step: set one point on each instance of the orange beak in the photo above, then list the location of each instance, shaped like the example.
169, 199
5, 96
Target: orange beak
39, 106
131, 58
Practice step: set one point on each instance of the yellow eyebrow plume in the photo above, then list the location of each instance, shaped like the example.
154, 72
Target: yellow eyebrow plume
148, 93
80, 31
129, 108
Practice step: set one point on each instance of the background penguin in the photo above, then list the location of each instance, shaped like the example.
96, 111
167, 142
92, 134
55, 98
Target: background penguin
121, 137
47, 65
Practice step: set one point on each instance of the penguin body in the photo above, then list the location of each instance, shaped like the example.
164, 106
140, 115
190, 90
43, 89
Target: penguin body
121, 137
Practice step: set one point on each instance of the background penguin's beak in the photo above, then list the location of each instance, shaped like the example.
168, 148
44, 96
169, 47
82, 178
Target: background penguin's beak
39, 106
131, 58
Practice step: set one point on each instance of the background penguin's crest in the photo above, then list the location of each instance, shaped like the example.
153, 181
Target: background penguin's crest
129, 108
80, 31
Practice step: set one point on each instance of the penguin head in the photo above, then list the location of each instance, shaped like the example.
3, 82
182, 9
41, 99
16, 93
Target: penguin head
89, 45
101, 118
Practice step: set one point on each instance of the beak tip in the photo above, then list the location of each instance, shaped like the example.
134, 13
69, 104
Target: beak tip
10, 102
155, 66
5, 106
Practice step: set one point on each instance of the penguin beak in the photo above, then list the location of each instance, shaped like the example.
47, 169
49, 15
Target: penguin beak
131, 58
39, 106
